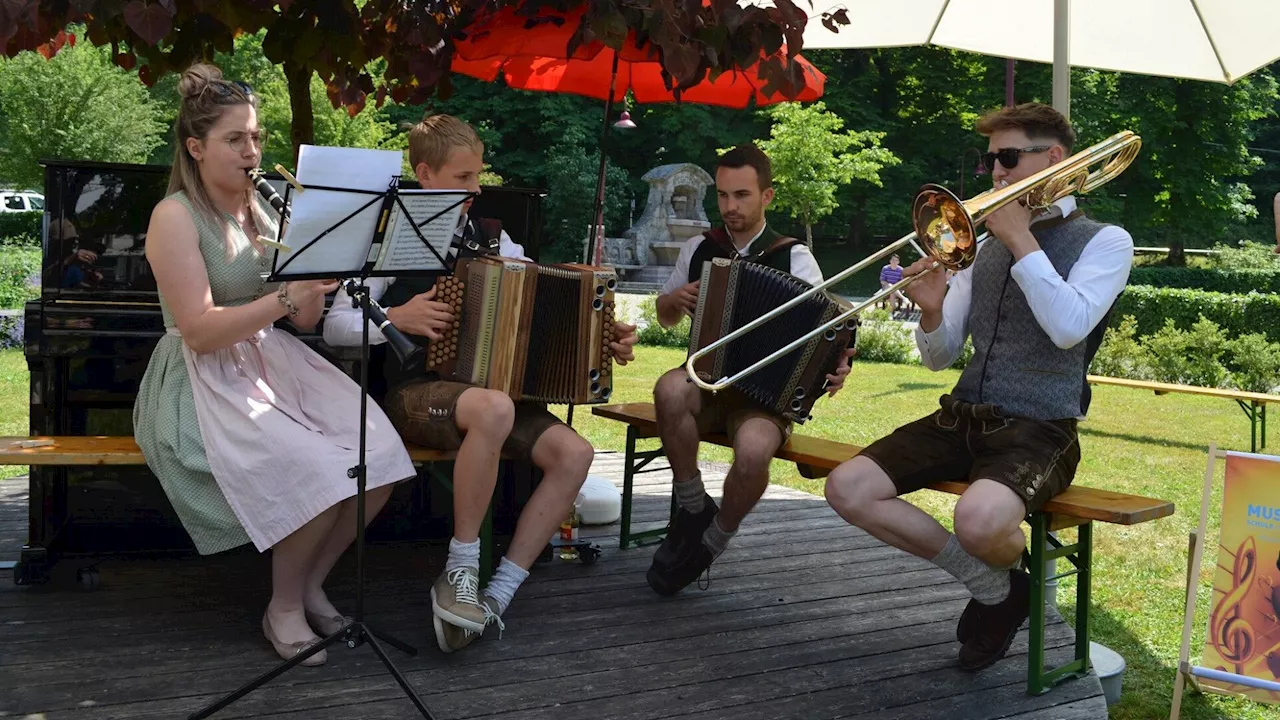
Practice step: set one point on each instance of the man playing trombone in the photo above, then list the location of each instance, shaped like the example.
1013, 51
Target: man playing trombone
1035, 303
700, 529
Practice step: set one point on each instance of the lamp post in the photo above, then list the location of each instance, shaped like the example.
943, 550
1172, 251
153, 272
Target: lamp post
979, 168
597, 212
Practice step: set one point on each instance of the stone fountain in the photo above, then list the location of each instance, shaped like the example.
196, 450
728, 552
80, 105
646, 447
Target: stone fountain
673, 213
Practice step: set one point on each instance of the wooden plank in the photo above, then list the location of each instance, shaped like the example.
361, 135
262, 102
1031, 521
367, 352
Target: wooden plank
1078, 501
118, 450
1160, 387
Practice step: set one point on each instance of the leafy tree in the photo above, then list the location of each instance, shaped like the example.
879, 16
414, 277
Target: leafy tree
77, 106
571, 171
402, 49
811, 159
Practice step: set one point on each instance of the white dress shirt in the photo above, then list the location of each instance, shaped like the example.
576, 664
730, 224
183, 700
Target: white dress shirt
803, 264
1066, 309
342, 323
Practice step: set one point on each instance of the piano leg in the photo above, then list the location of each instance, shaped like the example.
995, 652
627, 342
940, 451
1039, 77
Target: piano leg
47, 517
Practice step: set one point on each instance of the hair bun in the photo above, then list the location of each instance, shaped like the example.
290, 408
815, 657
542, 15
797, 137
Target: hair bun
196, 78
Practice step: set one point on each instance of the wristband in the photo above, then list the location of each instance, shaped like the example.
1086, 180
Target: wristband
282, 297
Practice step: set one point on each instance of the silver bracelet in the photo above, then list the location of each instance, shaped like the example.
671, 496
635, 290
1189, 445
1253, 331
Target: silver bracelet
282, 297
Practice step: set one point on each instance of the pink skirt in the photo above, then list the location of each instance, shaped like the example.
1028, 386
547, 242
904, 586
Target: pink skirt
281, 428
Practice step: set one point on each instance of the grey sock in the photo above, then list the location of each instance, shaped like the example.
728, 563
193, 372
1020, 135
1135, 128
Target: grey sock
989, 585
716, 538
689, 493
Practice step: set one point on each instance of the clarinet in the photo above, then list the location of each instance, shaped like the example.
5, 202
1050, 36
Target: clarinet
409, 352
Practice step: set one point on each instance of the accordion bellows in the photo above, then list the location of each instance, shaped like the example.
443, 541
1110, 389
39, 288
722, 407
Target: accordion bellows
732, 294
534, 332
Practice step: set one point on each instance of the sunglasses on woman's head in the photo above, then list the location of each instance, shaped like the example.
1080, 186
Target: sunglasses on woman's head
1008, 157
221, 89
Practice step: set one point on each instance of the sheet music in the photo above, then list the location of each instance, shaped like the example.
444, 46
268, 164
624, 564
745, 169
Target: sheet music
402, 248
345, 248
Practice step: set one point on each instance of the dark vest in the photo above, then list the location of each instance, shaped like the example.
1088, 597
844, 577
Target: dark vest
1015, 365
769, 249
479, 237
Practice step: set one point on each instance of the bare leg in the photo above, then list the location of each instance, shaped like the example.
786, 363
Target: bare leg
291, 562
864, 495
988, 523
344, 533
753, 447
485, 416
677, 403
564, 458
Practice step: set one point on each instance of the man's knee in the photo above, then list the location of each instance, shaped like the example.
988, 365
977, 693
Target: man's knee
674, 393
984, 524
855, 486
486, 412
754, 446
565, 453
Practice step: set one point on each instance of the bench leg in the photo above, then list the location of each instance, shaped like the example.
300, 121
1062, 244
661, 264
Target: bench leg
635, 462
1039, 678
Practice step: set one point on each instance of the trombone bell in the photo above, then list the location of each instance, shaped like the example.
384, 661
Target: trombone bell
945, 227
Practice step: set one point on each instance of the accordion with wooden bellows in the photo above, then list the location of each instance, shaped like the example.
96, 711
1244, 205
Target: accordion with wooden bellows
732, 294
534, 332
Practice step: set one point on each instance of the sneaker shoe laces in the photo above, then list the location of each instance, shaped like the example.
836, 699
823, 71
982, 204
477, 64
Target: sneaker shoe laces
490, 618
466, 585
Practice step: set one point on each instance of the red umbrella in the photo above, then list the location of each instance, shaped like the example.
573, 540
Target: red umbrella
533, 54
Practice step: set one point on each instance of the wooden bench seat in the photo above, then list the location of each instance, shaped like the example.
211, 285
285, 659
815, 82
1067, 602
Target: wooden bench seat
1253, 404
1079, 506
123, 450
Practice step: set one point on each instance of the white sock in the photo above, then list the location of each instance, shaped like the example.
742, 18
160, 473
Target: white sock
463, 555
989, 585
689, 493
716, 537
502, 587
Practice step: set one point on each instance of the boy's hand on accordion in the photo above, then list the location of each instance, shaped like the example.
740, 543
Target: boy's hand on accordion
623, 348
836, 381
422, 315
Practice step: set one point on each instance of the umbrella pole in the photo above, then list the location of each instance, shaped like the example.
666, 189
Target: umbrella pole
596, 236
1062, 57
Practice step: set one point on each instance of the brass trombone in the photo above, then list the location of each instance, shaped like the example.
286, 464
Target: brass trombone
947, 227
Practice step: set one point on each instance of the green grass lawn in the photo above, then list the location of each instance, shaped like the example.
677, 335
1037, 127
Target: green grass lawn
1133, 442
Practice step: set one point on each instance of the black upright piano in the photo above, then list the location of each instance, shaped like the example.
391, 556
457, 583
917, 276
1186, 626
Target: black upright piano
88, 339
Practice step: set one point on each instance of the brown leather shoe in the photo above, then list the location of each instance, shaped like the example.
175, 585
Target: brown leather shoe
286, 652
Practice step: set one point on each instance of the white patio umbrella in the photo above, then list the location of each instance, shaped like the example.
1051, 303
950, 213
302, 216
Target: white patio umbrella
1212, 40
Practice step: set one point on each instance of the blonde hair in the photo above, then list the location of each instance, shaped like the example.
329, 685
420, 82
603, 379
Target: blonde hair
205, 96
436, 136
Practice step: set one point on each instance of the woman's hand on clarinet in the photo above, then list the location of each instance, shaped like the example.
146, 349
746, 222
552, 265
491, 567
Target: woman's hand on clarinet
835, 381
422, 315
624, 344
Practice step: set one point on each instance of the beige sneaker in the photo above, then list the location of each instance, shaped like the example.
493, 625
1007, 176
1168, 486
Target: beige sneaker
455, 599
451, 638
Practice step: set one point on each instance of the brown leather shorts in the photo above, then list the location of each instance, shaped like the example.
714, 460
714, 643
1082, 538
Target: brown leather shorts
422, 411
1036, 459
725, 412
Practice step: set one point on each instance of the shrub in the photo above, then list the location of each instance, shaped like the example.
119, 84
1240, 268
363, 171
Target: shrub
18, 267
651, 332
883, 340
966, 354
1120, 354
1255, 363
1246, 255
21, 224
12, 328
1237, 314
1188, 357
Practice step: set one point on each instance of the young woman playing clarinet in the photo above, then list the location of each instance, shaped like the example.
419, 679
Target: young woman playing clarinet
250, 431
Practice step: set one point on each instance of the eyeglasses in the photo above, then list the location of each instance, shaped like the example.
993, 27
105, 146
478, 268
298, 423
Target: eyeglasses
237, 140
1008, 157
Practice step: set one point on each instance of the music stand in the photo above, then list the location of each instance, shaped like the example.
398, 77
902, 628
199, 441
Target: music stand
394, 214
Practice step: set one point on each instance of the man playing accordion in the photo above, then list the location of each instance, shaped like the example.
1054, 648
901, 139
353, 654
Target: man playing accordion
700, 529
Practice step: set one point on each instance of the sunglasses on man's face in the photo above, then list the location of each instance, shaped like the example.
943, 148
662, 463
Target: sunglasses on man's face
1008, 157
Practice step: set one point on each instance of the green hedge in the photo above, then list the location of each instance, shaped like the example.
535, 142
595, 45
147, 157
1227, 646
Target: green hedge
1237, 314
20, 228
1264, 280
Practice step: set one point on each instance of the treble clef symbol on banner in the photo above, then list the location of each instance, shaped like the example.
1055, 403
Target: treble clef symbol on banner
1231, 635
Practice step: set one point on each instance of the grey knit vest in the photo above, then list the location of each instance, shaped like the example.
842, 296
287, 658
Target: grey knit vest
1015, 365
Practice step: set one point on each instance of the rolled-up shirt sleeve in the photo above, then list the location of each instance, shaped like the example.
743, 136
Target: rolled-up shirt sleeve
1069, 309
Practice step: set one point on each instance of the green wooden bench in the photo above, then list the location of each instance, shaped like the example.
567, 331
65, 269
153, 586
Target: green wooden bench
1078, 507
123, 450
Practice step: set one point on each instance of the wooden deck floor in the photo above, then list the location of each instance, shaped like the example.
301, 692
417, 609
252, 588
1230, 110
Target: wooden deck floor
804, 617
